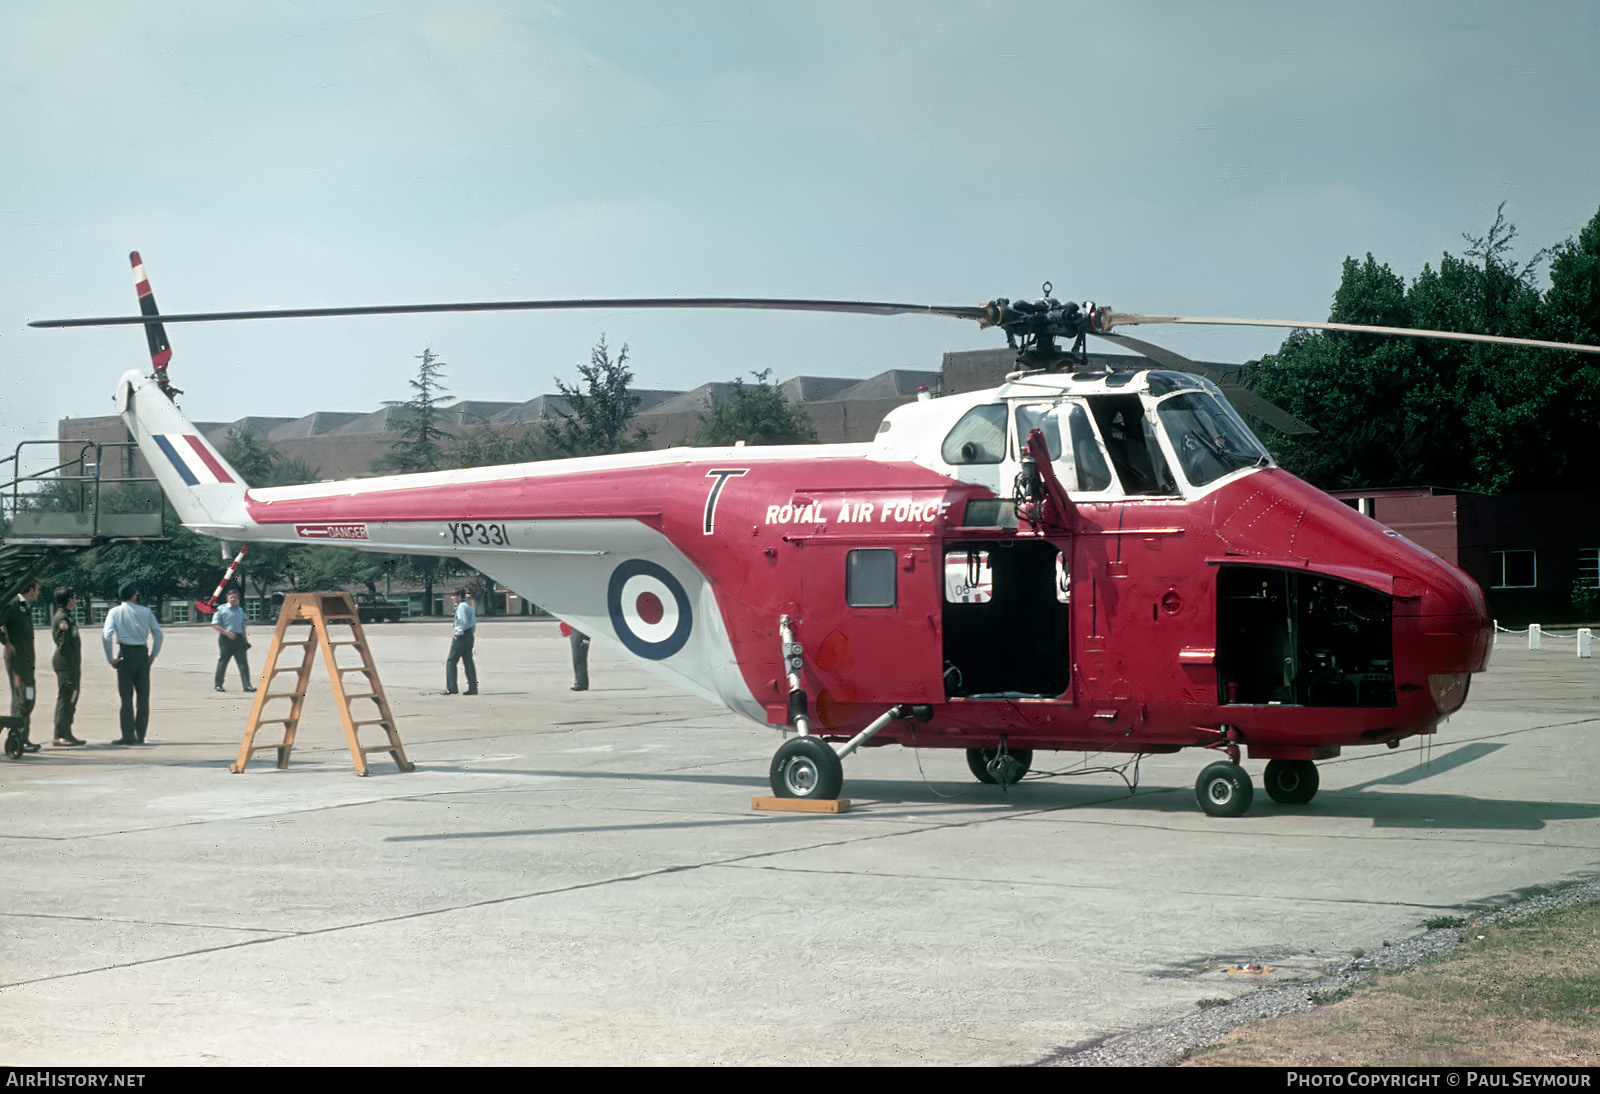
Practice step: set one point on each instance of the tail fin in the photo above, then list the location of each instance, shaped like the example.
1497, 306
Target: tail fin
206, 492
204, 489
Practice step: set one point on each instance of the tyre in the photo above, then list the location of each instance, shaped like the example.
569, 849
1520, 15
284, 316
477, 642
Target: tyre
1223, 789
1017, 763
14, 743
1291, 782
807, 767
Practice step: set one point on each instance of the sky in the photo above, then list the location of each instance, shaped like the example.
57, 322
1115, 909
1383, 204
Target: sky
1216, 160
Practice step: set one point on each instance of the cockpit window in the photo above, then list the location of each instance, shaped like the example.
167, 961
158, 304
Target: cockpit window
1088, 461
1040, 416
1131, 444
1208, 441
1079, 461
979, 437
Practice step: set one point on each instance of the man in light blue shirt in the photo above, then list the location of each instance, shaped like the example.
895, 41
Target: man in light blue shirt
128, 627
229, 623
466, 629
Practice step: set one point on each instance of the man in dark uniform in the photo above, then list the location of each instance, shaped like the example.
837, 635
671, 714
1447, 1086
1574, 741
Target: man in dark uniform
580, 656
16, 631
68, 663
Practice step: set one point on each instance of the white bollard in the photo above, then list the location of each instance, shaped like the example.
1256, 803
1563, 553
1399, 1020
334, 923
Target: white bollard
1583, 642
1533, 636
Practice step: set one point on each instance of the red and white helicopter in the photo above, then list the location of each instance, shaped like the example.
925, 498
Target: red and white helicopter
1081, 559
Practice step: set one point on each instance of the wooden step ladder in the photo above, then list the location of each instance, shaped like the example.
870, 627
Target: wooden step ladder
320, 611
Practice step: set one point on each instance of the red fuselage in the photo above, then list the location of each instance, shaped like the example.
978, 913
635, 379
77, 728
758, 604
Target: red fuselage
1264, 606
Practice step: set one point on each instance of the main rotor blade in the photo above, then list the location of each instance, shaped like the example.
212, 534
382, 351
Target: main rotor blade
857, 307
1118, 319
1243, 399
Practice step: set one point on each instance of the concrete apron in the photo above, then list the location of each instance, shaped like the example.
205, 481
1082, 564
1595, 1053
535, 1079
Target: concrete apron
578, 878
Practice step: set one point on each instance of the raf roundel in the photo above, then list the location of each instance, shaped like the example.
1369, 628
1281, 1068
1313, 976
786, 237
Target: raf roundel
649, 609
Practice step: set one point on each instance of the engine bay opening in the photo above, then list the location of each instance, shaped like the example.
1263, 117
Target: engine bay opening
1301, 639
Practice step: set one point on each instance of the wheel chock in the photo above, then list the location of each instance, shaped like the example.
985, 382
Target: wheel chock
802, 805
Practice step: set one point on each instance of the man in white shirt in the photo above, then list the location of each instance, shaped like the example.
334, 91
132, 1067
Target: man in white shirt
466, 629
229, 623
128, 627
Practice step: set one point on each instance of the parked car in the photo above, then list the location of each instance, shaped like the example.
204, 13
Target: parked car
378, 609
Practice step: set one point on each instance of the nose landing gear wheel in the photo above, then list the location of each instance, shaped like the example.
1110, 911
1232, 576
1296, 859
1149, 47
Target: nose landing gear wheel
807, 768
1016, 763
1291, 782
1223, 789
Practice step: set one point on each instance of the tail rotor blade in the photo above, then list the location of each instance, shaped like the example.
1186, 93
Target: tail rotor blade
155, 333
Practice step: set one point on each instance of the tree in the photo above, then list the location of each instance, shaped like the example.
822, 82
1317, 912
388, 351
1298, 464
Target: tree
601, 412
186, 567
756, 413
253, 460
485, 446
422, 438
1394, 412
1572, 306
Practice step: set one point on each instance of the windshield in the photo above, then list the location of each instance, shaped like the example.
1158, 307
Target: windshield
1208, 441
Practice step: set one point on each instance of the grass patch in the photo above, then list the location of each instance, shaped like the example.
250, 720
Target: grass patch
1525, 992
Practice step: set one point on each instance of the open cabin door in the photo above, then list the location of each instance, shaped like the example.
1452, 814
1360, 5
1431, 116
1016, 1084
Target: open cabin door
1007, 606
870, 624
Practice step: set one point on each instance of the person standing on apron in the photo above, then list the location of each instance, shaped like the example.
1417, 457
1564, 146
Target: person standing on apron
68, 665
16, 634
229, 623
580, 656
465, 635
128, 627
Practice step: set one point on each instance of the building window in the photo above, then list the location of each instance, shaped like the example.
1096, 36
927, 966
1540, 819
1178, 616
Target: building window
1513, 569
1589, 567
869, 578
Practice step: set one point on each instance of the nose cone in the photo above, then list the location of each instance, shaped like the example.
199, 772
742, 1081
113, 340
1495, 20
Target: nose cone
1441, 622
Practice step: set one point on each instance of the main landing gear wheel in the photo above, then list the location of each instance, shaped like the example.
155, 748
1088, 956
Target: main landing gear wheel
1291, 782
1015, 763
1224, 789
807, 767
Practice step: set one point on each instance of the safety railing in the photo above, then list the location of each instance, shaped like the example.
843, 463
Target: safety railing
1582, 638
78, 499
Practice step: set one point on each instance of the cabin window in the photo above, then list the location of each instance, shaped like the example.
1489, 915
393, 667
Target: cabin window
869, 578
1514, 569
979, 437
1209, 444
